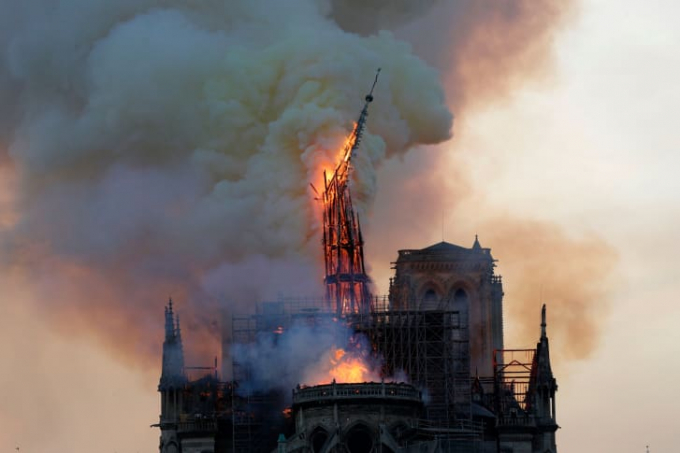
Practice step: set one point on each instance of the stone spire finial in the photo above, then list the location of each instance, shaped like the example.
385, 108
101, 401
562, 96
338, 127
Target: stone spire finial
169, 321
543, 324
476, 245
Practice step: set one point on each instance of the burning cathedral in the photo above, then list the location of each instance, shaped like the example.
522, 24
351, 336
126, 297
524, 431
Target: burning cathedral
423, 369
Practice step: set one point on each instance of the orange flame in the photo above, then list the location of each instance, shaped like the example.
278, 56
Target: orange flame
349, 143
341, 155
346, 368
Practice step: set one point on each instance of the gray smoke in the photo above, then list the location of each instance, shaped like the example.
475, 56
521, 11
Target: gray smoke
166, 147
305, 355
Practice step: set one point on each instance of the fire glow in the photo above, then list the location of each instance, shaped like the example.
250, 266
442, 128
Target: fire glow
346, 368
349, 143
327, 168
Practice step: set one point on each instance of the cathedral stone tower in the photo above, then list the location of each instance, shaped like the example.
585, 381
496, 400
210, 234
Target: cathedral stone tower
450, 277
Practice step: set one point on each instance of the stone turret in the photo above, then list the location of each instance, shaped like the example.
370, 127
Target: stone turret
172, 382
544, 389
172, 374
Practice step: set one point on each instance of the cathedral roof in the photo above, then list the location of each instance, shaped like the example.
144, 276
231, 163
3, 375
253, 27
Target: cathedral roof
444, 247
446, 250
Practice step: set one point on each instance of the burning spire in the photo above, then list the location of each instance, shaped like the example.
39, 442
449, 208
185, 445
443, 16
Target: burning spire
346, 280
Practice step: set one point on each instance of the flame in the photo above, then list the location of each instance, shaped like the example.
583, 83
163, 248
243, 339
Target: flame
333, 160
349, 143
346, 368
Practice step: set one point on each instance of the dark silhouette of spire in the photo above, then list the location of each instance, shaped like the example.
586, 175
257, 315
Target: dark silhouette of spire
543, 388
543, 324
543, 352
172, 375
169, 321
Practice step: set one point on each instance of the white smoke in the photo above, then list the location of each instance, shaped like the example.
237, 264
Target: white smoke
158, 141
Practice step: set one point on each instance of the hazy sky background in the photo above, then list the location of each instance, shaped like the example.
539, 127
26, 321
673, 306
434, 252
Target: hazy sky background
594, 146
597, 149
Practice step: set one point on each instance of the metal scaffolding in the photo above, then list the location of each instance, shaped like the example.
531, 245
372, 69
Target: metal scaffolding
429, 349
432, 349
513, 369
256, 414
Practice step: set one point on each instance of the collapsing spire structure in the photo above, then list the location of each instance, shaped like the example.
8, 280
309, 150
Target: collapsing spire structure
346, 281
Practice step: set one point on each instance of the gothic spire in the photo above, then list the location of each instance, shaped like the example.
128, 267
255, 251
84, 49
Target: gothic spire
543, 324
169, 321
347, 284
476, 245
172, 374
544, 369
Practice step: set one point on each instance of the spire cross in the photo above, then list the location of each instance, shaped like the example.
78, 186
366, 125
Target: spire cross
369, 96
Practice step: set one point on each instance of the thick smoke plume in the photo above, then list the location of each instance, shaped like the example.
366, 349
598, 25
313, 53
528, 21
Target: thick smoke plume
156, 148
571, 275
166, 148
486, 49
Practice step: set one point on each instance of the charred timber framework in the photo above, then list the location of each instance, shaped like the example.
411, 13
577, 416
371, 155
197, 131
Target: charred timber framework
346, 279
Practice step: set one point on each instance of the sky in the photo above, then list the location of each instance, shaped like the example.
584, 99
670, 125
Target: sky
591, 146
596, 149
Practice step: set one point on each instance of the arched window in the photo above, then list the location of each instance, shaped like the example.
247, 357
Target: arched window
461, 302
359, 439
430, 300
460, 297
318, 439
